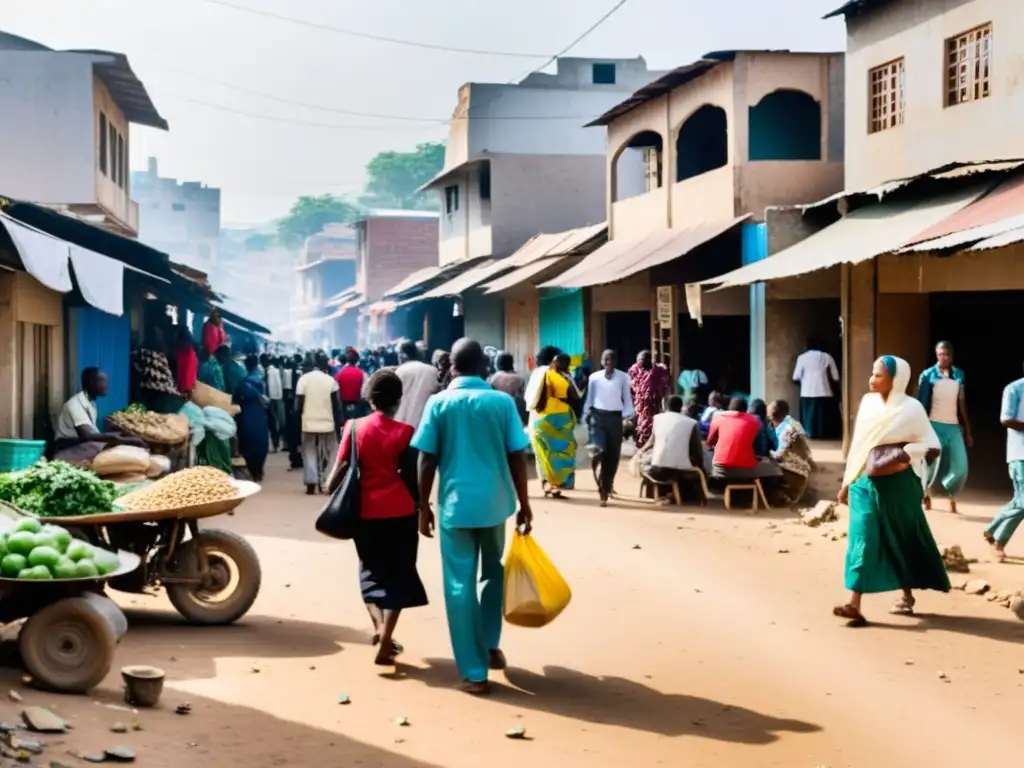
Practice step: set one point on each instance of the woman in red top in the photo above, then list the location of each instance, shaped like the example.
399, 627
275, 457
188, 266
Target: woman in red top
388, 536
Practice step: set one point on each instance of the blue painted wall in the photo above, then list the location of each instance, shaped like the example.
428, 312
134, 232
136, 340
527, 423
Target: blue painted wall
755, 248
104, 341
561, 320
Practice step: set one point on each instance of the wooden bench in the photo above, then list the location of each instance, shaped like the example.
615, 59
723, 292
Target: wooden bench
756, 492
655, 486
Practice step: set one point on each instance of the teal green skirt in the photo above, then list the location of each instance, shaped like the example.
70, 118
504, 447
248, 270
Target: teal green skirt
891, 546
951, 473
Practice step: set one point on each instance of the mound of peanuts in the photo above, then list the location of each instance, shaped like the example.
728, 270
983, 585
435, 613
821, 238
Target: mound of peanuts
185, 488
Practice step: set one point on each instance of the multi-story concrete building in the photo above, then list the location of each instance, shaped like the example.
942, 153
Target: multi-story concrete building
519, 161
181, 219
721, 140
930, 83
64, 130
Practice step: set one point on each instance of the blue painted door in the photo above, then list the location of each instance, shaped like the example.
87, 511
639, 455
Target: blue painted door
103, 341
561, 320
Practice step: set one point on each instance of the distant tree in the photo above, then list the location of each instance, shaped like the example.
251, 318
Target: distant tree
259, 242
394, 177
310, 213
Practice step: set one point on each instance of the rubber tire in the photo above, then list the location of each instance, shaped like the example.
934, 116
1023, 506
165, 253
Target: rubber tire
249, 578
97, 634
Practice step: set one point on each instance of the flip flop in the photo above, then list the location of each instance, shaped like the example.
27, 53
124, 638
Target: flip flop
853, 617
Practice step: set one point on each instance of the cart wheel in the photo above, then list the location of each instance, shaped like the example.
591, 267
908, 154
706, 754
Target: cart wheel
231, 584
68, 646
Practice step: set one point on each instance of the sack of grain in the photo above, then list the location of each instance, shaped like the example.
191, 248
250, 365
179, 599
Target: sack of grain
158, 466
126, 479
121, 460
204, 395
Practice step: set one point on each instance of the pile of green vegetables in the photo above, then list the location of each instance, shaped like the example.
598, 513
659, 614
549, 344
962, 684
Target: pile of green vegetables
32, 550
57, 489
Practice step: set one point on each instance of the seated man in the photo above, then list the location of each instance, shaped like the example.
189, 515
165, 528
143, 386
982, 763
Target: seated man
732, 437
675, 449
794, 452
77, 438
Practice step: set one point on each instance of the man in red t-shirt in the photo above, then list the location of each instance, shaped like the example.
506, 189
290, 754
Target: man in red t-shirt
732, 436
350, 386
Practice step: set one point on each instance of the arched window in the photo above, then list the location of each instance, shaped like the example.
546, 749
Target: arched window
637, 168
785, 125
702, 143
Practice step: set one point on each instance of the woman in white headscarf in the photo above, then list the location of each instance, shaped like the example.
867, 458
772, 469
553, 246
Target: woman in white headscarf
890, 544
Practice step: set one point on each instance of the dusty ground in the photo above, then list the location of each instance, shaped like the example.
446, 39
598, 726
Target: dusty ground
696, 638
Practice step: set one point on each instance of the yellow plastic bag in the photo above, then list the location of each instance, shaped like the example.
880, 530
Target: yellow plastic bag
535, 592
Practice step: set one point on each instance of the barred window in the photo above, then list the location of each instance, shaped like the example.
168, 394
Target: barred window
969, 66
886, 92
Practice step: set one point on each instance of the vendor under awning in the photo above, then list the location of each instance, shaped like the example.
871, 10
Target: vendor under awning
78, 438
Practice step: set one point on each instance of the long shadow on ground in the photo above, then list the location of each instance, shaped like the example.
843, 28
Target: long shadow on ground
621, 702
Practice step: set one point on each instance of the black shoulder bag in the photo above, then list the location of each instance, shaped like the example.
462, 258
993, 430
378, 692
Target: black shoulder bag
340, 515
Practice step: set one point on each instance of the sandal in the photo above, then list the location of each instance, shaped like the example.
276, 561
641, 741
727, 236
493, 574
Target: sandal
854, 617
903, 607
396, 648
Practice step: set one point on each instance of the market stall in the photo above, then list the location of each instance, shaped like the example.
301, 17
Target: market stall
211, 576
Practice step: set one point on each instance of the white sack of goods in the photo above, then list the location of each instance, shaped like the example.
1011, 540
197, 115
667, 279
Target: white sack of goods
158, 466
121, 460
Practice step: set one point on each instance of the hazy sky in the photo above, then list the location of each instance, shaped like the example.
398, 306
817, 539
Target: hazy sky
178, 46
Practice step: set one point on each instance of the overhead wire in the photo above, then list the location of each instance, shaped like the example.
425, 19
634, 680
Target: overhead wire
583, 36
371, 36
356, 113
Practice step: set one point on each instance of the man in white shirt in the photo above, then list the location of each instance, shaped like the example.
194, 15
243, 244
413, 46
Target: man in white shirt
419, 382
817, 375
275, 392
675, 446
77, 436
319, 407
609, 403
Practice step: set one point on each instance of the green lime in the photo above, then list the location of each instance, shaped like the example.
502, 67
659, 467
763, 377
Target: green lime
44, 539
38, 572
21, 542
79, 550
29, 524
64, 569
12, 565
60, 535
48, 557
106, 562
85, 569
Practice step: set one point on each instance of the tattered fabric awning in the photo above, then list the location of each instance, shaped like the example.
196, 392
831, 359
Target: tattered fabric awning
50, 261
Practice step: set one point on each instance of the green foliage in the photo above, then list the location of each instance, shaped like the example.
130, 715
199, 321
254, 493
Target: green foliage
310, 213
57, 489
394, 177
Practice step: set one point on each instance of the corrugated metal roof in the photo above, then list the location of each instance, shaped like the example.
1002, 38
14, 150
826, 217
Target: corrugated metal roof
1011, 237
860, 235
855, 7
126, 89
988, 216
416, 278
524, 273
609, 263
381, 308
944, 172
467, 280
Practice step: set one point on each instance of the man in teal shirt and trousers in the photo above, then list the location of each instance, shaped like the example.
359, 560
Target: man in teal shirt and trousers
472, 435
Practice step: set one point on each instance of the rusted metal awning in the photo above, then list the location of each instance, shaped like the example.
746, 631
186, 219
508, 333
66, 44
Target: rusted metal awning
521, 275
1001, 210
860, 235
619, 259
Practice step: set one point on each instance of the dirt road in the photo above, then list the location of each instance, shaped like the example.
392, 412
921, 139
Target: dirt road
697, 638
